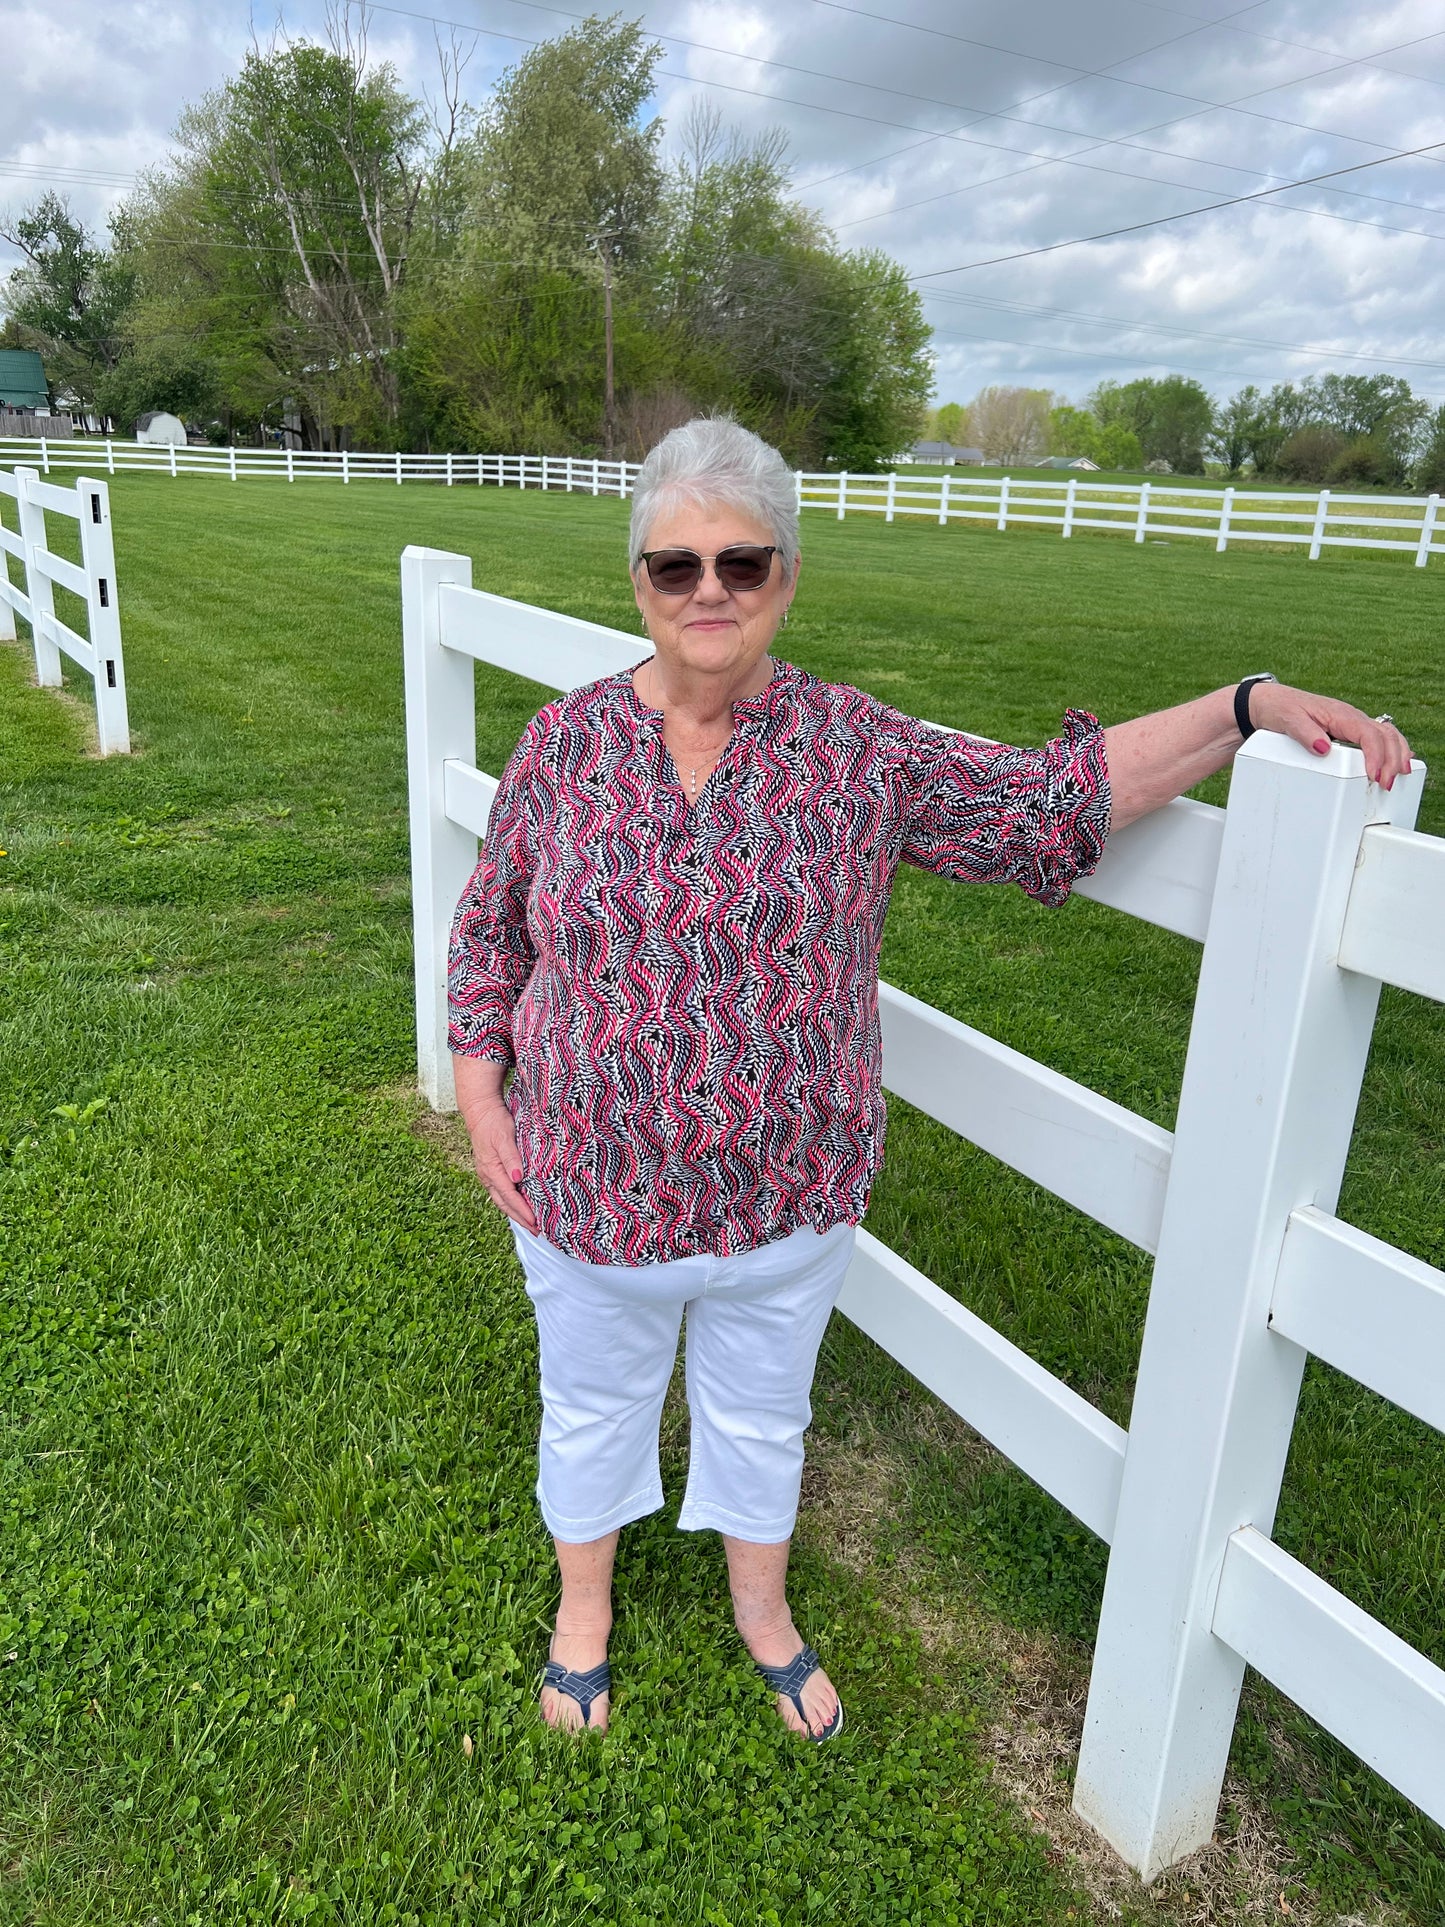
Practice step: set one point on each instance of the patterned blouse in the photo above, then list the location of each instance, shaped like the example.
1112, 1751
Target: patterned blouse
689, 992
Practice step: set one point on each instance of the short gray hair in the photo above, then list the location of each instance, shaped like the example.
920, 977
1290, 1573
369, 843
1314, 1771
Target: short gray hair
716, 460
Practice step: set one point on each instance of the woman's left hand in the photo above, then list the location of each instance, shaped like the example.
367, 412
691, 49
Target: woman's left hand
1317, 721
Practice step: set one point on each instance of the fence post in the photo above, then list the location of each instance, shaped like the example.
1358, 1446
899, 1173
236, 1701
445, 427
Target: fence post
1003, 502
596, 476
7, 614
290, 463
171, 447
232, 462
1225, 508
398, 468
1141, 524
97, 554
37, 586
798, 489
892, 491
1322, 516
842, 493
440, 726
1070, 496
1427, 531
569, 475
943, 500
110, 457
1271, 1081
45, 454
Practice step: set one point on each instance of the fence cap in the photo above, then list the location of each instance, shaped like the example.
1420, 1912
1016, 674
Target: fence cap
1344, 762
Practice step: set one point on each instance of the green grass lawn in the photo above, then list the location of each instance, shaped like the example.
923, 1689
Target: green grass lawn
273, 1591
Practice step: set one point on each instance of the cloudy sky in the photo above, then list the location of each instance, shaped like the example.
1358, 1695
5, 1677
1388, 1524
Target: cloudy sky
977, 140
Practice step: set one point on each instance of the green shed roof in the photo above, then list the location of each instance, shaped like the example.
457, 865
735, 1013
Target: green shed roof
22, 378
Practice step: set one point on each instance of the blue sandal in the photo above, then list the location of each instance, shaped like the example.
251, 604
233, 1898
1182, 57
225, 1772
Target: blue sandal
790, 1680
582, 1687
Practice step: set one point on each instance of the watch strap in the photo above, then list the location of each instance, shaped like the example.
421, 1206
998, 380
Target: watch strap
1241, 702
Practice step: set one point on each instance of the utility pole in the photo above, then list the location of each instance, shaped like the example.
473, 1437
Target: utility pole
609, 402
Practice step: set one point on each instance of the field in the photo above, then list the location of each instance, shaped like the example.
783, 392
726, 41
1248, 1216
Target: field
273, 1592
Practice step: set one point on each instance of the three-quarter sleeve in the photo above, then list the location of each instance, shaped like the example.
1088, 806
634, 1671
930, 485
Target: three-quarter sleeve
492, 954
989, 813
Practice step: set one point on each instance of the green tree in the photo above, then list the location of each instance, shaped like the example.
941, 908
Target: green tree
73, 298
950, 423
1430, 472
1231, 438
1172, 417
1282, 413
876, 400
283, 235
1118, 448
1074, 432
158, 376
567, 176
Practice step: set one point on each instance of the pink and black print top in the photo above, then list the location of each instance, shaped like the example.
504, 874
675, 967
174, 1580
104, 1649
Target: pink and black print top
689, 993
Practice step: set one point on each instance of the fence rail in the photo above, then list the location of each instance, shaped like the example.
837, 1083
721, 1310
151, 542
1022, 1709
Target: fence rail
1145, 511
98, 652
1320, 873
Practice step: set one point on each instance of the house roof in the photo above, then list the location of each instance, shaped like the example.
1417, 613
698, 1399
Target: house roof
22, 378
1067, 461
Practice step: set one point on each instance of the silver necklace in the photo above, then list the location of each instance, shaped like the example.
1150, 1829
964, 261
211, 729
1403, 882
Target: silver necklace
692, 773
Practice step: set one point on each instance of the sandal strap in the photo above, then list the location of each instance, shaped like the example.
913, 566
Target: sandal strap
582, 1687
790, 1681
792, 1678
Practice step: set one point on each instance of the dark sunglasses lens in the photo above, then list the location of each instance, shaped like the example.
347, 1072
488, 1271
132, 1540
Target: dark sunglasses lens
744, 568
674, 571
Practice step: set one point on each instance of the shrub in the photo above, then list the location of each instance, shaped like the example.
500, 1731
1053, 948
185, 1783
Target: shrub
1310, 452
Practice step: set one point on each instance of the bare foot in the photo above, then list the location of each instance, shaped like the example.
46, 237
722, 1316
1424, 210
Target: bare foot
579, 1653
819, 1695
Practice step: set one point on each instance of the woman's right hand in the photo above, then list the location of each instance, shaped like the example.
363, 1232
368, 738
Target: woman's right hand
494, 1144
493, 1135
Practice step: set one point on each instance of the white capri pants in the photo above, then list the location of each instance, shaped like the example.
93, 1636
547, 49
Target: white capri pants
608, 1342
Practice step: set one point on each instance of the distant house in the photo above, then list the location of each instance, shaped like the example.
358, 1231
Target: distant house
1068, 461
945, 453
160, 427
23, 386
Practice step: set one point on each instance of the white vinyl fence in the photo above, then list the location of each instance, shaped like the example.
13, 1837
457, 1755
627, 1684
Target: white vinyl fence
1146, 511
1307, 893
87, 503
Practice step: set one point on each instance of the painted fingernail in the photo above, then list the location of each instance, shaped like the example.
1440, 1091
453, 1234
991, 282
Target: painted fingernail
515, 1176
1321, 746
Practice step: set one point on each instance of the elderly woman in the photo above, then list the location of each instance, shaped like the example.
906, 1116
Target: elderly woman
670, 945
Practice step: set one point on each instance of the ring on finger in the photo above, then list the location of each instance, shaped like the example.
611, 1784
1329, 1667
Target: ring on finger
1387, 718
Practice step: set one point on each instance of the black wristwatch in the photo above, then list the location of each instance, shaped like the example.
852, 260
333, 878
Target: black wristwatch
1241, 702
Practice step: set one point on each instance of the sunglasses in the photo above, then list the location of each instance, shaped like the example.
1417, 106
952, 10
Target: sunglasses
678, 571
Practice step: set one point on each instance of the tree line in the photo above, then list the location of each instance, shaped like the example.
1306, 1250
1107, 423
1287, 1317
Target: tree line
1347, 431
329, 255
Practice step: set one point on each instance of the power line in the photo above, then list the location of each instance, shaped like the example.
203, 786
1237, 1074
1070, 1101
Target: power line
1117, 80
1274, 39
1184, 214
1127, 174
1160, 327
1095, 146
